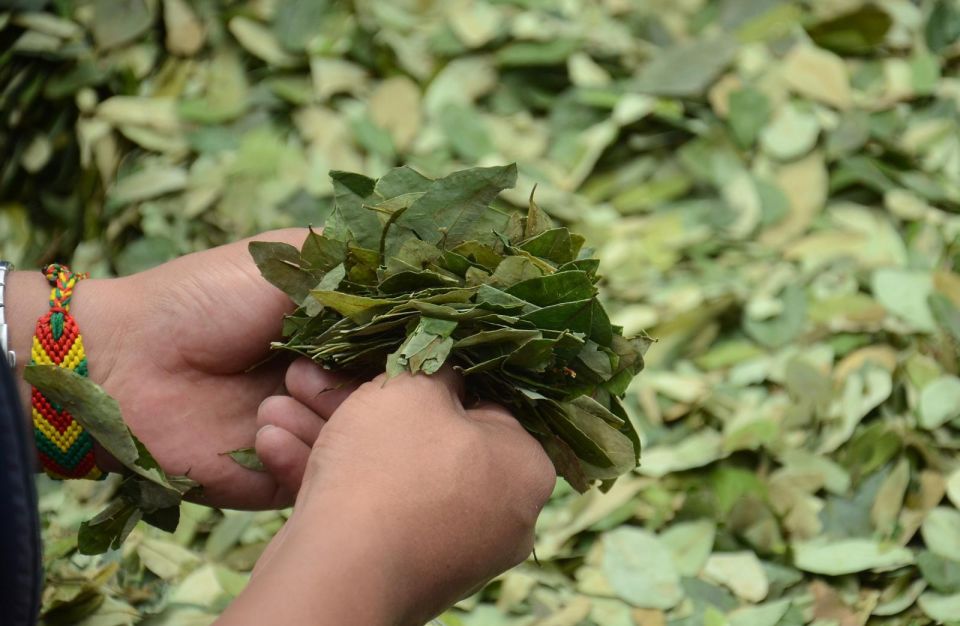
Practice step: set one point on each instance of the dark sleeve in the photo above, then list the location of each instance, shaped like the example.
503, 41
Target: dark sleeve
20, 565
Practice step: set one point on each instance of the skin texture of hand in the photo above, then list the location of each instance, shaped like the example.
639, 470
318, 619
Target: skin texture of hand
409, 501
183, 348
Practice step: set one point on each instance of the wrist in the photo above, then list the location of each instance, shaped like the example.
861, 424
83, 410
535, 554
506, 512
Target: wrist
99, 312
100, 308
330, 569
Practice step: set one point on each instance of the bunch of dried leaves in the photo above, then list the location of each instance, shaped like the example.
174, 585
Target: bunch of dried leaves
412, 273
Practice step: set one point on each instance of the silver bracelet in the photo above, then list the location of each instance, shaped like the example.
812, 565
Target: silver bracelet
5, 351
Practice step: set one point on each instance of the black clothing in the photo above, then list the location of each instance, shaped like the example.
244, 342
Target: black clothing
20, 565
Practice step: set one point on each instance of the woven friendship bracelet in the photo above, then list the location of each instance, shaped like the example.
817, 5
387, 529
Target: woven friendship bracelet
64, 447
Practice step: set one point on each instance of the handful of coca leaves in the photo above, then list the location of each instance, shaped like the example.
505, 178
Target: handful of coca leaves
411, 273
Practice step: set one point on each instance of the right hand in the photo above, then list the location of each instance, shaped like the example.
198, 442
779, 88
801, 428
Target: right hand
445, 497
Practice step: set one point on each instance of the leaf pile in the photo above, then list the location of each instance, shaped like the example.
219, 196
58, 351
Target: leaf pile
412, 273
773, 190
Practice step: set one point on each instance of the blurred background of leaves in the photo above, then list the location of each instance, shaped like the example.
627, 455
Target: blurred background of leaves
772, 185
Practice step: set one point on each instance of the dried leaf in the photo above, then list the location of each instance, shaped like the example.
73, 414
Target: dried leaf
185, 31
849, 556
640, 569
686, 69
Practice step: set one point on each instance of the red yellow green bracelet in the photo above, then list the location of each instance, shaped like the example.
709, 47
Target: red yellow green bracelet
65, 449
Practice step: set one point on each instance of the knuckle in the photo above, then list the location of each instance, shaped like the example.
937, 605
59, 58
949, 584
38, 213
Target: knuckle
422, 383
297, 377
499, 415
545, 478
266, 411
366, 392
539, 477
538, 474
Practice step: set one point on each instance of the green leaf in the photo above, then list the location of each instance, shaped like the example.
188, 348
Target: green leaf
939, 402
749, 113
466, 132
247, 457
941, 532
590, 438
350, 222
515, 269
554, 245
166, 519
639, 568
599, 426
848, 556
360, 309
112, 28
601, 330
783, 328
686, 69
691, 544
943, 574
741, 572
96, 411
332, 279
227, 93
479, 253
494, 299
500, 335
942, 609
537, 221
767, 614
536, 53
279, 264
406, 282
455, 209
904, 293
427, 347
943, 26
351, 187
151, 496
565, 461
362, 265
554, 289
319, 252
535, 355
400, 181
946, 315
856, 32
298, 21
108, 530
596, 360
574, 316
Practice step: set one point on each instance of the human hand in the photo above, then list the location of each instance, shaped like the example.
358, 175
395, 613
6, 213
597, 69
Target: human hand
409, 501
182, 347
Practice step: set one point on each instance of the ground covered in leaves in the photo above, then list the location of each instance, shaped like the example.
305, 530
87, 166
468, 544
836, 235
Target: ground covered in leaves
772, 187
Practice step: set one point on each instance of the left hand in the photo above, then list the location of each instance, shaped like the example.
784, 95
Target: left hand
184, 348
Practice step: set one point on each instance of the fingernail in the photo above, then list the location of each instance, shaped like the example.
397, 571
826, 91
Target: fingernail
264, 429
